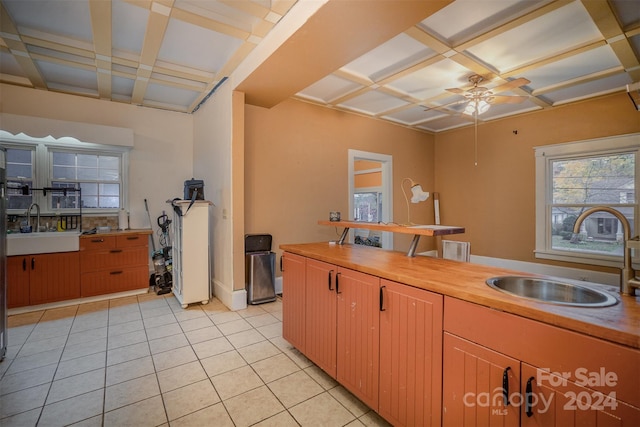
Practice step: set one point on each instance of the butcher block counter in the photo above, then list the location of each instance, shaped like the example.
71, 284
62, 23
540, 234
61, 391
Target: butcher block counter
619, 323
119, 232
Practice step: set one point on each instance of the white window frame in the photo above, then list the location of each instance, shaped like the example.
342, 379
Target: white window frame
545, 155
387, 189
42, 168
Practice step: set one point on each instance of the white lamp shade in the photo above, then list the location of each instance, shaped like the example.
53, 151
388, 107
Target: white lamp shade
476, 104
419, 195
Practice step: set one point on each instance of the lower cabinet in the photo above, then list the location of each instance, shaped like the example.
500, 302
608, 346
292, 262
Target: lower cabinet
480, 385
410, 355
503, 370
358, 334
18, 281
293, 300
110, 264
357, 330
553, 400
105, 264
320, 310
42, 278
423, 359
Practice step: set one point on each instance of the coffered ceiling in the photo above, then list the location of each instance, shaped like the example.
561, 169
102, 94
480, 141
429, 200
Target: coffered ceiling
166, 54
171, 54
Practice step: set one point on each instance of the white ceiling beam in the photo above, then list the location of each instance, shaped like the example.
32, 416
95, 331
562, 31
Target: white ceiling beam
19, 50
606, 21
579, 80
156, 27
101, 27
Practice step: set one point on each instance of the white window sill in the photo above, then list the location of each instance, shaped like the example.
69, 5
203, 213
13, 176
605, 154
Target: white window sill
600, 260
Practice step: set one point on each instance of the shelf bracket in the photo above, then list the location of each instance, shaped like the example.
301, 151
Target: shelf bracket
344, 236
413, 246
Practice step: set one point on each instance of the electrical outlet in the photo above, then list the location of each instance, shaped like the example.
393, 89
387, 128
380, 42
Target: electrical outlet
224, 213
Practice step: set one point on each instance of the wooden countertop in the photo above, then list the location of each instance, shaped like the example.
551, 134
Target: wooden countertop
120, 232
619, 323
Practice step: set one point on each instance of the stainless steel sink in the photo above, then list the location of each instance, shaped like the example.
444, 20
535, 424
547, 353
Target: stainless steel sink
552, 291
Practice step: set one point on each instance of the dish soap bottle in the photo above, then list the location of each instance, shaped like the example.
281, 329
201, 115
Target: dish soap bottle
61, 224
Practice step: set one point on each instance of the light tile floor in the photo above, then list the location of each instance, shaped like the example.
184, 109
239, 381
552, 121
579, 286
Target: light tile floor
145, 361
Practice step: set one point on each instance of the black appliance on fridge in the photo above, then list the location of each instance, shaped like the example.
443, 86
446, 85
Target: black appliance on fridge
3, 254
260, 272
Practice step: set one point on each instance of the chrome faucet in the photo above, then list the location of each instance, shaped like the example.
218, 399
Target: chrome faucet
628, 282
37, 216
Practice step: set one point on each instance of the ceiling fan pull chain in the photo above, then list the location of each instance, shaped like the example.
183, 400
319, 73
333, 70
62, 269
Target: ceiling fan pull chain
475, 147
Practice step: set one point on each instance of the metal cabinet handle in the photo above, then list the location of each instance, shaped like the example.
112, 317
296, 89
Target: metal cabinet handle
382, 298
281, 266
97, 240
116, 272
338, 283
132, 237
115, 251
329, 279
505, 385
528, 397
24, 264
33, 263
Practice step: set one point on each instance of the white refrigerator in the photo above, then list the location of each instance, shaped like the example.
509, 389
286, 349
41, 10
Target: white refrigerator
190, 252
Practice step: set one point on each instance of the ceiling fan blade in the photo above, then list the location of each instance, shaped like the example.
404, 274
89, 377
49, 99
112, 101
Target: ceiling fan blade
510, 85
437, 107
507, 99
456, 91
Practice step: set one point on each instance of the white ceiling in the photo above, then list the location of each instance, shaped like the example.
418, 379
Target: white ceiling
171, 54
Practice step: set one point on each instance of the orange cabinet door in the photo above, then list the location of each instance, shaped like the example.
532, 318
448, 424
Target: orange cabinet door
17, 281
410, 355
358, 334
475, 382
293, 300
554, 401
320, 312
54, 277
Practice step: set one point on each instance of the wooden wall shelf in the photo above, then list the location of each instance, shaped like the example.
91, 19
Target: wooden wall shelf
416, 230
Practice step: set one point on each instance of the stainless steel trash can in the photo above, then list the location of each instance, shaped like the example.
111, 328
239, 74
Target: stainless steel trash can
260, 269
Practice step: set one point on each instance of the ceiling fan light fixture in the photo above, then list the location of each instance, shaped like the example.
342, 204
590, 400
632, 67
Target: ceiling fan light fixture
483, 106
479, 105
470, 108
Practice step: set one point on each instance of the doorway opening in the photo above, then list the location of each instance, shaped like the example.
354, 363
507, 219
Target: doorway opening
370, 196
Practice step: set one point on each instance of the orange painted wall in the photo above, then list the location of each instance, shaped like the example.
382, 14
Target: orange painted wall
296, 169
495, 201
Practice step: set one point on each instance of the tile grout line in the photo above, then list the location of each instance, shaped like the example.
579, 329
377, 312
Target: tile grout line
44, 403
208, 315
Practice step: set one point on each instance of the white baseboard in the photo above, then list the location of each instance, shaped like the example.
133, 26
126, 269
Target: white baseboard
233, 300
545, 269
49, 306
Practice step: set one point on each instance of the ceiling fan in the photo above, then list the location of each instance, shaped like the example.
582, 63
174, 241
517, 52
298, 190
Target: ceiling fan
479, 98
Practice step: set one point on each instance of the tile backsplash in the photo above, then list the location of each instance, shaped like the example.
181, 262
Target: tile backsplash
49, 222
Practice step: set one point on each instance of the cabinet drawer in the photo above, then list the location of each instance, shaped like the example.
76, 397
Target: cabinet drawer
115, 258
129, 240
97, 242
119, 280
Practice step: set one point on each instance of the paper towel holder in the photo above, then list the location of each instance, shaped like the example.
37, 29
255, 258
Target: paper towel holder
123, 219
